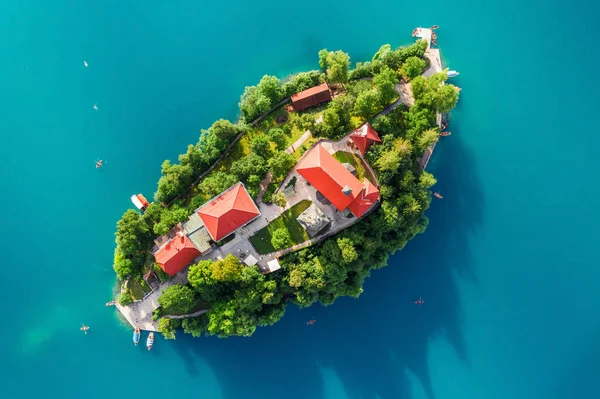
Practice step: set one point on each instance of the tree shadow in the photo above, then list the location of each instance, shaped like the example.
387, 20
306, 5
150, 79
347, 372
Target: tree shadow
370, 344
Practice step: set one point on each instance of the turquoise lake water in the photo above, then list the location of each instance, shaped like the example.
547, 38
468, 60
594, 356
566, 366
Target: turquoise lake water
509, 265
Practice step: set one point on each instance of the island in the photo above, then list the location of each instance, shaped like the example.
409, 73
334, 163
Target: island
318, 182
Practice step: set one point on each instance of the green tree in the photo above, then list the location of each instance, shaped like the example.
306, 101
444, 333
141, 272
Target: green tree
200, 277
278, 137
177, 299
227, 270
428, 138
336, 63
281, 163
385, 83
261, 145
251, 164
133, 238
281, 238
366, 104
323, 59
359, 87
412, 67
279, 200
296, 277
271, 88
167, 327
426, 180
195, 325
346, 246
446, 98
124, 298
216, 182
253, 103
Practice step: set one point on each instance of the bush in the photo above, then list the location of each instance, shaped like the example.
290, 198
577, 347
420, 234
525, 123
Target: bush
162, 276
279, 200
125, 298
281, 239
267, 197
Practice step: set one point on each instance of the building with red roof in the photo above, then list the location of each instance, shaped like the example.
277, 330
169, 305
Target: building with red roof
336, 183
364, 137
311, 97
227, 212
176, 254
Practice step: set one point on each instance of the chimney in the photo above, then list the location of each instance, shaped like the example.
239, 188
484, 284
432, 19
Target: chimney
347, 190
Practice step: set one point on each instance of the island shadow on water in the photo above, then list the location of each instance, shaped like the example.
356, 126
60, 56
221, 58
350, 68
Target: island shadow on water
370, 342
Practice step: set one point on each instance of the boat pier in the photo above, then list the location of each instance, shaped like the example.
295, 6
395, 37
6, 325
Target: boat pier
435, 66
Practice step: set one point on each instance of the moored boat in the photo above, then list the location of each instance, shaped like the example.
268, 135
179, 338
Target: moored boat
437, 195
414, 32
136, 336
452, 74
111, 303
444, 134
150, 341
433, 42
434, 27
140, 202
433, 35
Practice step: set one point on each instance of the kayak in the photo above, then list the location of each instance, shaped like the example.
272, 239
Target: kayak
136, 336
150, 341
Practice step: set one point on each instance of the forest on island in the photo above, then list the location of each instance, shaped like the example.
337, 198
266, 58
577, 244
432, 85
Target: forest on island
240, 298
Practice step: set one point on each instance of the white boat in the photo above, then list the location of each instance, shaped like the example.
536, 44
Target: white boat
85, 63
95, 107
452, 74
140, 202
150, 341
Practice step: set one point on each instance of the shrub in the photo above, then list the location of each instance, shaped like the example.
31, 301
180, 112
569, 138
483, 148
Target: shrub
125, 298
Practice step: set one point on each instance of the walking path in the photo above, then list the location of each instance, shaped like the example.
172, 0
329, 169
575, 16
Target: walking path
296, 144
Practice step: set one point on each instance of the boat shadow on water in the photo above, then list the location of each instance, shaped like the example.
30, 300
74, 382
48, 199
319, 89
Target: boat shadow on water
375, 346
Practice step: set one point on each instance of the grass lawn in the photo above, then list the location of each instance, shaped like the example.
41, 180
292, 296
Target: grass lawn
262, 239
353, 160
135, 289
307, 144
145, 287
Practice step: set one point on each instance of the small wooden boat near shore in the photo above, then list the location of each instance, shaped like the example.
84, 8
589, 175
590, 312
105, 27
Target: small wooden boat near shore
433, 42
437, 195
444, 134
111, 303
150, 341
136, 336
415, 32
434, 27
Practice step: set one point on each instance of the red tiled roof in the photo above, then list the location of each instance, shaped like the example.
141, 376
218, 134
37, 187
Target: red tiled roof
313, 96
364, 136
176, 254
328, 176
229, 211
363, 202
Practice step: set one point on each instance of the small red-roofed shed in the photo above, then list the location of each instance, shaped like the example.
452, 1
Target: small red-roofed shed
364, 137
227, 212
311, 97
